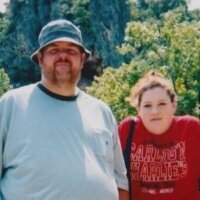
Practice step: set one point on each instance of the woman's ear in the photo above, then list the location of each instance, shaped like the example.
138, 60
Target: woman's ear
174, 104
137, 108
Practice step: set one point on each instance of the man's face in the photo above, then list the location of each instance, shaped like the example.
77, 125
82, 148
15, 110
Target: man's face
61, 63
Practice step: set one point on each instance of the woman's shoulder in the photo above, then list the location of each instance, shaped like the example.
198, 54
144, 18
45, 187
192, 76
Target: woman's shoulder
187, 121
187, 118
127, 120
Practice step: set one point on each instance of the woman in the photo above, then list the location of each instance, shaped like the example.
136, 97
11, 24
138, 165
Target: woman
165, 149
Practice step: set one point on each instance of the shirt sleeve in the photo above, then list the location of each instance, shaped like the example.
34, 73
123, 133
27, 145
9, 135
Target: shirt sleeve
192, 125
119, 165
5, 117
1, 135
120, 169
2, 130
195, 126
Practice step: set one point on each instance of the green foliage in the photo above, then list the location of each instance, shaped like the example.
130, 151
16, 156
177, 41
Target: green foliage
81, 12
143, 10
3, 27
4, 82
170, 45
77, 11
115, 84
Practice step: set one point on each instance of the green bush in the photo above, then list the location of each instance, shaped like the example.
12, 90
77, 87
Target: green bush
4, 82
170, 45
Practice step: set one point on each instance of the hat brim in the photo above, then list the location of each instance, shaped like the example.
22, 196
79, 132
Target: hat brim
33, 57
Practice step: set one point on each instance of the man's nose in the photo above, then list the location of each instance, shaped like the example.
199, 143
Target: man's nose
63, 53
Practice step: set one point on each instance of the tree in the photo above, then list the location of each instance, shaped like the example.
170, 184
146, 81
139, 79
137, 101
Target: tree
143, 10
4, 82
27, 17
170, 45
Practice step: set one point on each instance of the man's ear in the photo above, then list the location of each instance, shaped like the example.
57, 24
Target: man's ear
39, 57
83, 59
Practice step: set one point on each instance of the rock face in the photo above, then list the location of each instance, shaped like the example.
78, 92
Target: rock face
102, 23
108, 19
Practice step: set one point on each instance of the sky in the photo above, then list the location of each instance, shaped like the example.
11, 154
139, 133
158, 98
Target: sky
192, 4
2, 6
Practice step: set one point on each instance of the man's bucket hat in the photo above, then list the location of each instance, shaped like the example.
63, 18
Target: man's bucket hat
59, 30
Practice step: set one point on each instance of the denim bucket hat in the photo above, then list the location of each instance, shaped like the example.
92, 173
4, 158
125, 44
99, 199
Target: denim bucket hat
59, 30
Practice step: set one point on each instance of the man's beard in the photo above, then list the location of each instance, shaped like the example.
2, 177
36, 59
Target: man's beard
71, 77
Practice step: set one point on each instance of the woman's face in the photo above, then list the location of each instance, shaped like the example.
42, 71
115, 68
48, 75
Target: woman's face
156, 110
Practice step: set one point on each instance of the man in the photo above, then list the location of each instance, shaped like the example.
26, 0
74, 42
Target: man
57, 142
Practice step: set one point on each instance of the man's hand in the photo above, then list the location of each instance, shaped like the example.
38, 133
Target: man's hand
123, 194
